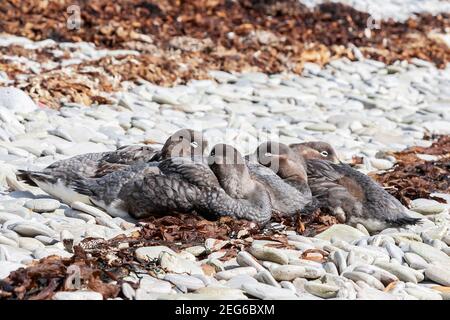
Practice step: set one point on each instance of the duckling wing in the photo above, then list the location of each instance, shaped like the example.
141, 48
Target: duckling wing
158, 194
192, 171
123, 157
108, 187
285, 199
130, 155
83, 164
334, 189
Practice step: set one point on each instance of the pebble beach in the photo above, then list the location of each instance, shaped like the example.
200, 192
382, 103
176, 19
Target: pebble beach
64, 97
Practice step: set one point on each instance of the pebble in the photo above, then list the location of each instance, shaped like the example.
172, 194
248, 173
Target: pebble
321, 290
16, 100
146, 254
32, 229
404, 273
30, 244
415, 261
229, 274
266, 277
438, 274
341, 232
429, 253
269, 254
77, 295
175, 264
128, 291
381, 164
290, 272
238, 281
42, 205
268, 292
244, 259
361, 276
427, 206
181, 280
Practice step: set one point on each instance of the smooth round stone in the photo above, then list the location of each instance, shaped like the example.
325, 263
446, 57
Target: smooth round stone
381, 164
30, 244
341, 232
128, 291
32, 229
427, 206
178, 265
42, 205
423, 293
266, 277
267, 292
290, 272
16, 100
196, 250
229, 274
45, 252
244, 259
238, 281
182, 280
269, 254
149, 284
77, 295
324, 127
367, 278
145, 254
7, 241
415, 261
402, 272
438, 274
217, 293
321, 290
429, 253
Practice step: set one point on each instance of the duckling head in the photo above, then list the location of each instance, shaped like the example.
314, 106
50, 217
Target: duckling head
184, 143
316, 150
282, 160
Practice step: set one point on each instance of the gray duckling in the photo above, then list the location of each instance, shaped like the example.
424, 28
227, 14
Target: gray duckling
55, 178
182, 185
284, 176
353, 197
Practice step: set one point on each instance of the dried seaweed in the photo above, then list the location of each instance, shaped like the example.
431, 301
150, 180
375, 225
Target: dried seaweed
413, 178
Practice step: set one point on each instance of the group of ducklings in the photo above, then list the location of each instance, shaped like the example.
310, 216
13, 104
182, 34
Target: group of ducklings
141, 181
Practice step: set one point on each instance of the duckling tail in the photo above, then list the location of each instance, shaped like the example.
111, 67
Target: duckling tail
406, 221
82, 186
30, 177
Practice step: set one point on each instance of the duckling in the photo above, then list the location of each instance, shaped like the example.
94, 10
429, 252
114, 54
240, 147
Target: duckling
182, 185
284, 176
354, 197
55, 178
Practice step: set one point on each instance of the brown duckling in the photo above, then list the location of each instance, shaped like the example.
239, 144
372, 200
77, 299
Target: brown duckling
284, 176
352, 196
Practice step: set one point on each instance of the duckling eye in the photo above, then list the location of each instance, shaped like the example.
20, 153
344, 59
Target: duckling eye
194, 144
324, 154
